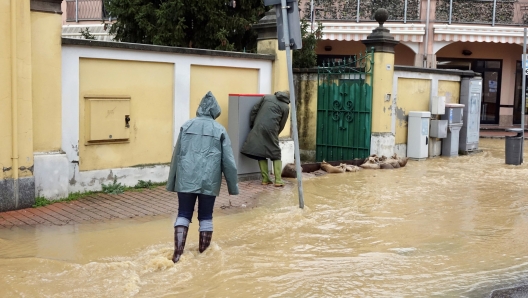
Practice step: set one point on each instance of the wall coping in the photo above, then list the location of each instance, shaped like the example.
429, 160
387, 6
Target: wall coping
47, 6
163, 49
462, 73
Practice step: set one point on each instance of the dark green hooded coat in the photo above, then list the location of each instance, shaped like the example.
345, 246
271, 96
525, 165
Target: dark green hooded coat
267, 120
202, 153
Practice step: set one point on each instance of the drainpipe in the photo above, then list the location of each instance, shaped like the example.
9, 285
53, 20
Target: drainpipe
405, 12
427, 32
14, 99
357, 13
450, 11
494, 9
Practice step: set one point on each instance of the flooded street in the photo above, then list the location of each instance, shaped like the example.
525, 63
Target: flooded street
445, 227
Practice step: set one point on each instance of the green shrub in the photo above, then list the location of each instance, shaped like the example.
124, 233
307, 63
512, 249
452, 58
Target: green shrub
114, 188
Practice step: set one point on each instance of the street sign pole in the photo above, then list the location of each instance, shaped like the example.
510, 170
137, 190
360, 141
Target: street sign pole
287, 42
525, 69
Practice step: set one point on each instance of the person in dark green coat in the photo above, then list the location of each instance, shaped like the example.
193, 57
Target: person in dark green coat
267, 120
202, 153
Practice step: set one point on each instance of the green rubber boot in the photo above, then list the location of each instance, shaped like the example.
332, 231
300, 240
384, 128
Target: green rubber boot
263, 164
277, 169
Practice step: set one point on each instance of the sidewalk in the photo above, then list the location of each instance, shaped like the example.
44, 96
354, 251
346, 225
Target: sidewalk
103, 207
495, 131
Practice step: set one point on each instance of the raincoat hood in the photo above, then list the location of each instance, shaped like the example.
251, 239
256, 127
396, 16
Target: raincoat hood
209, 107
283, 96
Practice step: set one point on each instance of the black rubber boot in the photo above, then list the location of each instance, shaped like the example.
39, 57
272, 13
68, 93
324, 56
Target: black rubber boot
180, 235
205, 240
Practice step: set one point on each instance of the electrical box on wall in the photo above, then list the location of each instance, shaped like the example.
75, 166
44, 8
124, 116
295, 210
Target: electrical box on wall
437, 105
107, 119
438, 129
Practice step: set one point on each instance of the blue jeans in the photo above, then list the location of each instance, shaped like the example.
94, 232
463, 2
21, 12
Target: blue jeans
186, 203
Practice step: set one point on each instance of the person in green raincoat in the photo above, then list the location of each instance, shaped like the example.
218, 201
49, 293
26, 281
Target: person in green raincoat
202, 153
267, 120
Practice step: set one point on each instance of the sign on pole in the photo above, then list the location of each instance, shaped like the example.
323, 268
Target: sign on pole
294, 25
525, 62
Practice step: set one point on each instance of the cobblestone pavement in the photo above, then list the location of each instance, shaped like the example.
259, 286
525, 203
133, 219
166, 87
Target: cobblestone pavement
103, 207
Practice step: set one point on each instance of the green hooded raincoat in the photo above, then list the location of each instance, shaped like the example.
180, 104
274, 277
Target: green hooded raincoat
202, 153
267, 120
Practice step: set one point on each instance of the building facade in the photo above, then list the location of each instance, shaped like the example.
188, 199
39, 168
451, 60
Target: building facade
483, 36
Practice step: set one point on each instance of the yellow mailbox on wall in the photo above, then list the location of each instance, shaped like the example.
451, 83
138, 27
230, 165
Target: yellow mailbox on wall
107, 119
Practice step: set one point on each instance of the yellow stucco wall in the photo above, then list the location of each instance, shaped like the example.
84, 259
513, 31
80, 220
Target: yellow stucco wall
150, 87
383, 76
413, 95
449, 89
46, 72
221, 81
23, 87
5, 91
306, 91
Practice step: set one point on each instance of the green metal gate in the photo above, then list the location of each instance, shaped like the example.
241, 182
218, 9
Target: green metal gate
344, 108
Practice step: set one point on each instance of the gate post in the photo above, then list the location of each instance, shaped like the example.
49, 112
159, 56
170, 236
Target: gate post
382, 139
268, 43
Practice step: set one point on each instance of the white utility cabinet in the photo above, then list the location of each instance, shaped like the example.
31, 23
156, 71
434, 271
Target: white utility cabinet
418, 134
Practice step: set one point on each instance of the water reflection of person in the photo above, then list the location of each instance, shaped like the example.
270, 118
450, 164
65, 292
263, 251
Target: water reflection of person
202, 153
267, 120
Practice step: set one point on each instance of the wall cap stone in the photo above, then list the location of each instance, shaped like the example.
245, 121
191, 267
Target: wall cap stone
48, 6
163, 49
462, 73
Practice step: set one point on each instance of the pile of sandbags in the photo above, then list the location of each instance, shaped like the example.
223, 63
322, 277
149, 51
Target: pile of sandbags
371, 162
341, 168
376, 162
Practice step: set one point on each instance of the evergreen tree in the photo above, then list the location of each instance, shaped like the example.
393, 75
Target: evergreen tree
206, 24
306, 57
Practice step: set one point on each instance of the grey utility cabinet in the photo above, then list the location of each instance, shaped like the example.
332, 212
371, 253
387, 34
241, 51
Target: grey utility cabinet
470, 96
240, 106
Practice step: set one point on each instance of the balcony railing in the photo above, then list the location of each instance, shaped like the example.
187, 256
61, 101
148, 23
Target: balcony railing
85, 10
494, 12
362, 10
490, 12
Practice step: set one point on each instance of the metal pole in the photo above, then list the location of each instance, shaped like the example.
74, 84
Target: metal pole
405, 12
14, 100
450, 10
292, 98
77, 11
357, 13
312, 16
523, 108
494, 8
427, 34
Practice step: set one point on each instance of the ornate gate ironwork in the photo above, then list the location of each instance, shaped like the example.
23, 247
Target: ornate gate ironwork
344, 108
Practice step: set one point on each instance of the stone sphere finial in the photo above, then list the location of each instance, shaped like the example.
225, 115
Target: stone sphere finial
381, 15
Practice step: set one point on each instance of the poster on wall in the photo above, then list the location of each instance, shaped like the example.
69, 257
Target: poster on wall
492, 86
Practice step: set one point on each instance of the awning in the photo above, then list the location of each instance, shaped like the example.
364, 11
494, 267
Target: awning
360, 31
468, 33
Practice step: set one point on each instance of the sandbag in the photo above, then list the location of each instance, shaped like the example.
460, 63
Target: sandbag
289, 171
330, 168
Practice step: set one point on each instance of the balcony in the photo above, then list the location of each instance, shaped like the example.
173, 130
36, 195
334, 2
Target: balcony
488, 12
85, 10
362, 10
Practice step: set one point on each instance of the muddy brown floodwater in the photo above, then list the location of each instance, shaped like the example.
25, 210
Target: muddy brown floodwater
445, 227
